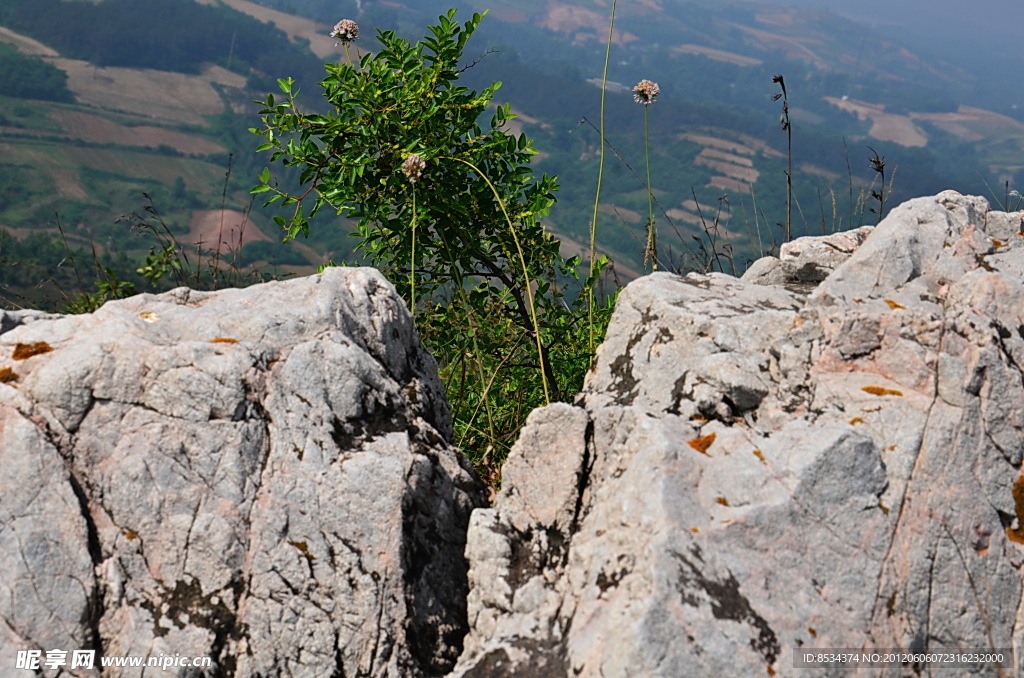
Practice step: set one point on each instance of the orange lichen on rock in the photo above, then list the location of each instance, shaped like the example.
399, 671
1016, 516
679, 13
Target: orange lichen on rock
760, 455
703, 443
892, 304
223, 340
26, 351
856, 420
7, 375
1017, 533
879, 391
722, 500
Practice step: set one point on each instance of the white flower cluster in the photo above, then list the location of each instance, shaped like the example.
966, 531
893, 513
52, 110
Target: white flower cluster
645, 92
413, 167
346, 30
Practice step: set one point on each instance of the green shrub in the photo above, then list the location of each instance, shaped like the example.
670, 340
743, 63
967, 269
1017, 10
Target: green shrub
450, 212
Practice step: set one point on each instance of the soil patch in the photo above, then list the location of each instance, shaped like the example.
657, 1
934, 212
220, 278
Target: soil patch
295, 27
794, 48
96, 129
64, 176
233, 230
729, 184
718, 55
742, 145
25, 44
899, 129
973, 124
779, 17
197, 174
160, 95
571, 18
622, 213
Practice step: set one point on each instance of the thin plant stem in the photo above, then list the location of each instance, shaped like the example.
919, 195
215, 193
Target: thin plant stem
526, 275
788, 129
652, 245
483, 396
412, 266
600, 177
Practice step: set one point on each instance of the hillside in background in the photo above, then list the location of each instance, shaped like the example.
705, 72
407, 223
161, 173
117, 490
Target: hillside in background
104, 102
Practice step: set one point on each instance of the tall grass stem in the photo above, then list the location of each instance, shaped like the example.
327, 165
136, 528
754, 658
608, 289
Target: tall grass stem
600, 176
526, 274
652, 245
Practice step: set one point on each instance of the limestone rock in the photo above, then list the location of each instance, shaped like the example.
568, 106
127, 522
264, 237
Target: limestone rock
807, 260
262, 476
752, 471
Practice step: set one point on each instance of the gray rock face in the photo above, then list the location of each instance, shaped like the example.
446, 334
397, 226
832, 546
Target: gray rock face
261, 476
751, 471
807, 260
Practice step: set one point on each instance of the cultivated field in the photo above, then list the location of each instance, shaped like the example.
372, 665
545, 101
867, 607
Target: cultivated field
103, 130
584, 23
899, 129
159, 95
318, 35
718, 55
1002, 136
230, 228
25, 44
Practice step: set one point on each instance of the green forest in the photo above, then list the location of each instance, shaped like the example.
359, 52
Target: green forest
173, 36
27, 77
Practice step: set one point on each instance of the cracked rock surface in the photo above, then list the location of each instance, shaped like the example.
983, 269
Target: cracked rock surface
752, 470
263, 476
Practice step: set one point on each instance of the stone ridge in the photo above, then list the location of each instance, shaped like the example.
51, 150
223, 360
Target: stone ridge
753, 470
263, 476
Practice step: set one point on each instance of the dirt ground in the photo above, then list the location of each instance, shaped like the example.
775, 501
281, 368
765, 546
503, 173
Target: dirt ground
569, 18
101, 130
743, 172
718, 55
233, 231
974, 124
161, 95
320, 41
899, 129
742, 145
26, 44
